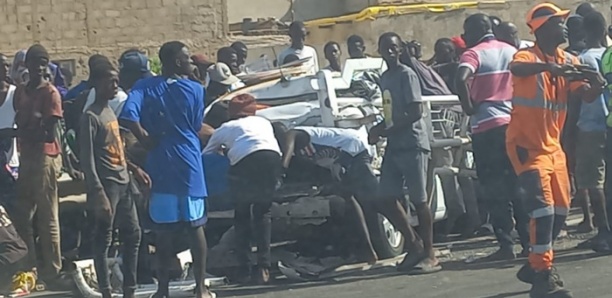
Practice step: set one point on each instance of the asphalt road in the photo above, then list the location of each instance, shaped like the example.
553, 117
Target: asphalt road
586, 273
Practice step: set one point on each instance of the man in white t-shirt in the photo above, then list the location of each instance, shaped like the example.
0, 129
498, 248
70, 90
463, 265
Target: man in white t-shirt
298, 32
255, 163
9, 159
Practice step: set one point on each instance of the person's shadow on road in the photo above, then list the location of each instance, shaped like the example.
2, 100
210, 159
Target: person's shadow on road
561, 256
507, 295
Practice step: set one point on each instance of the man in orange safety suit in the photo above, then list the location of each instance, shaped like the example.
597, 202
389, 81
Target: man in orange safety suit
545, 78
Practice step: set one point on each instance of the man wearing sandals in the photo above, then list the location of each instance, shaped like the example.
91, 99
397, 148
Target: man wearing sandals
406, 155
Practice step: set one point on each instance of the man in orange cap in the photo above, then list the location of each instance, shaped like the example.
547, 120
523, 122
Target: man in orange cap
545, 78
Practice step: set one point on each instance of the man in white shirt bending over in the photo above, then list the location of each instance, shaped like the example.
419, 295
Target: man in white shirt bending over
345, 153
255, 158
298, 32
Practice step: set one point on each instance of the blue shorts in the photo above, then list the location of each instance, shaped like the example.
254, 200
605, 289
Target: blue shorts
167, 209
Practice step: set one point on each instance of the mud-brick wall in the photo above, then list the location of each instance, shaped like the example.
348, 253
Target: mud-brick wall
75, 29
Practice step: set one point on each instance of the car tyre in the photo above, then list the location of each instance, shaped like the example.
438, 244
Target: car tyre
387, 241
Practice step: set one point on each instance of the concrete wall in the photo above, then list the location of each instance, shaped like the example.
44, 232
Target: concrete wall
303, 9
74, 29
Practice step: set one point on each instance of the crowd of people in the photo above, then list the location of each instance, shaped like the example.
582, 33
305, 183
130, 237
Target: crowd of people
539, 118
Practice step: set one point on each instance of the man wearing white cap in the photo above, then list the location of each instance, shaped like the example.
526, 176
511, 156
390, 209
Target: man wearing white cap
222, 81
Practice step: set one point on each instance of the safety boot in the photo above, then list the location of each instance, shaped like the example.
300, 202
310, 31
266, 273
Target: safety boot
545, 286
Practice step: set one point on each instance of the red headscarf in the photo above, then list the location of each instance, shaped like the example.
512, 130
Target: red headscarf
459, 44
242, 105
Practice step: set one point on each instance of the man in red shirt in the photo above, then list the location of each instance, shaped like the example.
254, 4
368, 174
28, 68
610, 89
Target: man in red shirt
39, 109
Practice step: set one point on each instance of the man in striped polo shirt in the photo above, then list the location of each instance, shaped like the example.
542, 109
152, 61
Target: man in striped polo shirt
484, 86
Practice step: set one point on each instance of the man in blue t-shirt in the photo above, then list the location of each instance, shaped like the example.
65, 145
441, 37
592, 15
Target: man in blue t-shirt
165, 113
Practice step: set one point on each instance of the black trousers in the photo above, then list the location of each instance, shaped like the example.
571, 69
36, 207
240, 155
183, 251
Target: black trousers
126, 219
258, 225
499, 184
253, 181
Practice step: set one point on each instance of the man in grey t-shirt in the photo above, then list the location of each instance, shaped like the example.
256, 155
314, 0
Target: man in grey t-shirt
407, 153
401, 90
104, 165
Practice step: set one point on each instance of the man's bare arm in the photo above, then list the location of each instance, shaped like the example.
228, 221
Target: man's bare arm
527, 69
96, 195
51, 129
590, 91
139, 132
288, 148
204, 134
463, 91
414, 112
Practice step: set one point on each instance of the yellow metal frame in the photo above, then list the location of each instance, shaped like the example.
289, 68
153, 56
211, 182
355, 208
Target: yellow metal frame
374, 12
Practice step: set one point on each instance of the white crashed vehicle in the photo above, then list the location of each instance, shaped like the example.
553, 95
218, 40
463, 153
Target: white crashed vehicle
325, 99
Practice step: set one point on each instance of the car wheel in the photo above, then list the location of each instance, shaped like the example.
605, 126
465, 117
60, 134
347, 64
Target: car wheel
387, 241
